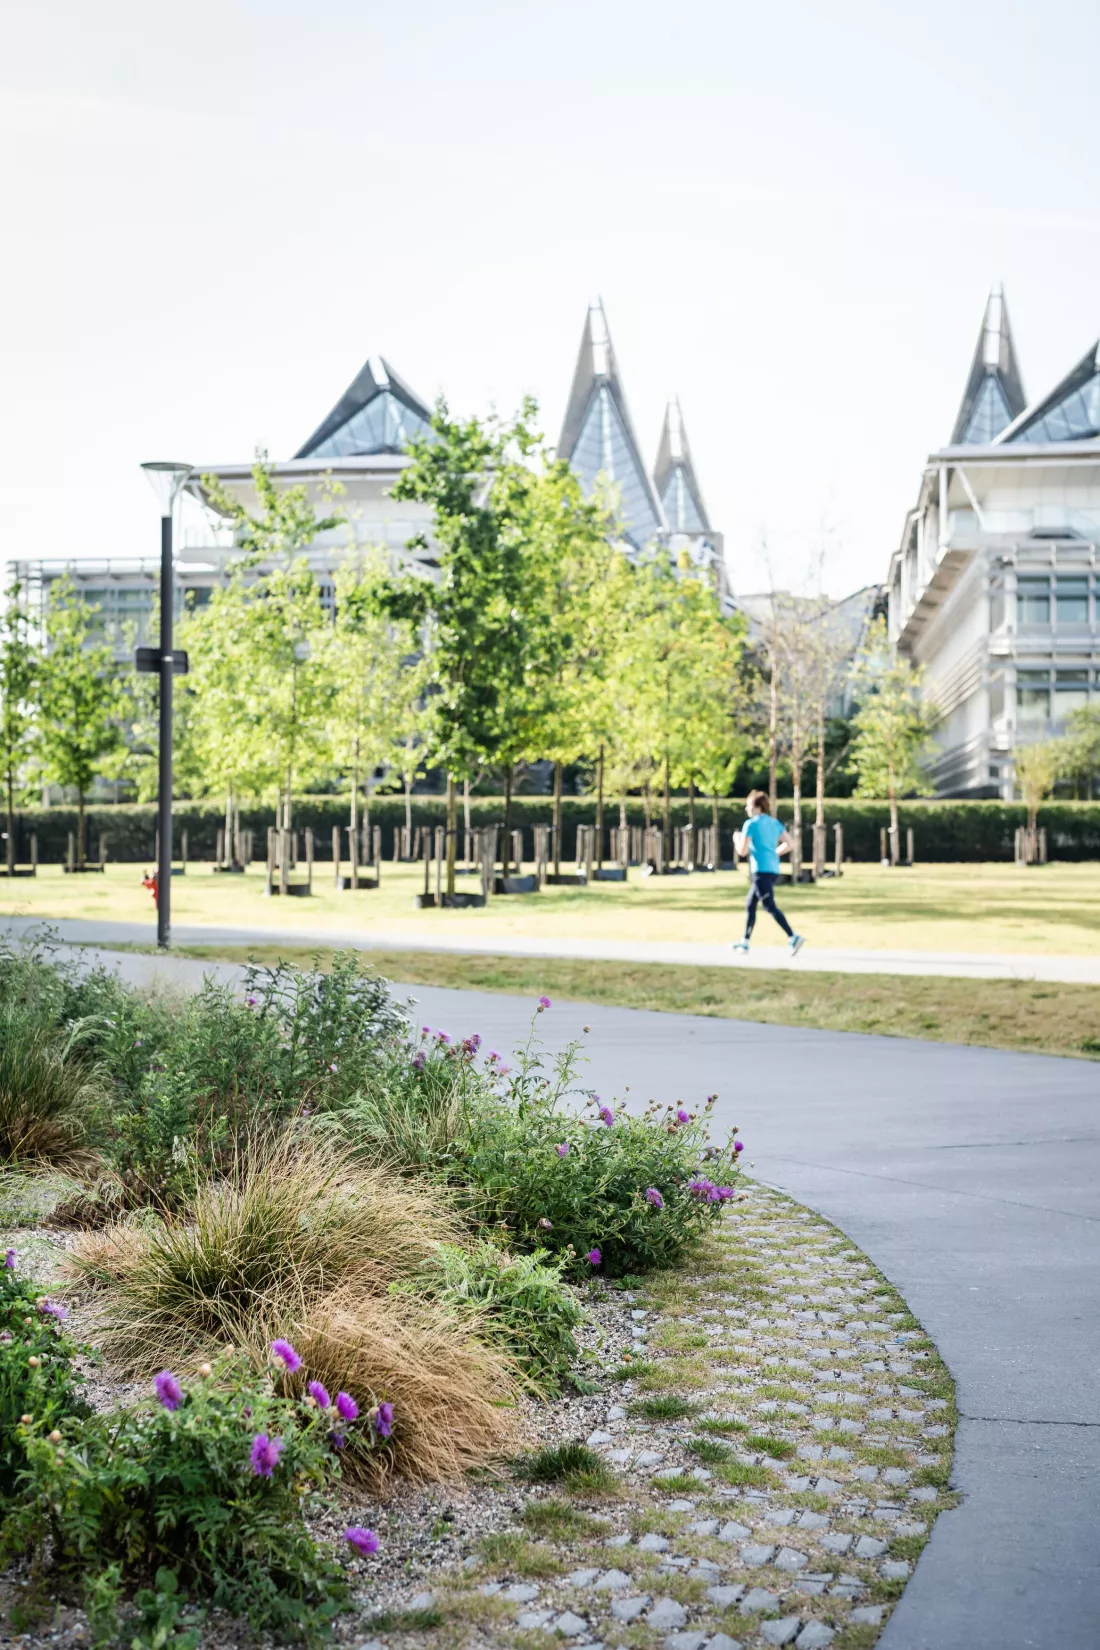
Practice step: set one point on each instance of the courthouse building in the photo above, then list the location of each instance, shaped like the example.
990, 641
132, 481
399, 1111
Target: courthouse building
995, 588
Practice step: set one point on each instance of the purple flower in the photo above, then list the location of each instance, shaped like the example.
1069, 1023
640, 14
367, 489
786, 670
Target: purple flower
332, 1067
725, 1193
544, 1002
701, 1186
442, 1037
264, 1457
252, 1001
492, 1056
346, 1407
337, 1439
319, 1395
502, 1071
382, 1417
283, 1353
683, 1116
607, 1117
562, 1149
51, 1309
652, 1195
739, 1145
419, 1060
594, 1257
425, 1031
474, 1041
169, 1390
9, 1260
364, 1541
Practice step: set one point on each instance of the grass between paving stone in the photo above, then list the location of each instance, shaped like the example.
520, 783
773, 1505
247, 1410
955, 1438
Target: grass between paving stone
1013, 1014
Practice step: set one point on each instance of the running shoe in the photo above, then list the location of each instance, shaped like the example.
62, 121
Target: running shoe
740, 945
795, 944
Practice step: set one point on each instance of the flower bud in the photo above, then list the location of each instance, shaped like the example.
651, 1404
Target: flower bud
26, 1420
205, 1370
55, 1437
34, 1362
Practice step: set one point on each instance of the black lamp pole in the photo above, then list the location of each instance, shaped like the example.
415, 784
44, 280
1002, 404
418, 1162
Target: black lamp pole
164, 778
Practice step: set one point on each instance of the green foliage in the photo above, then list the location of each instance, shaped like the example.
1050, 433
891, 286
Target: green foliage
892, 721
574, 1465
665, 1407
38, 1376
521, 1300
53, 1102
1038, 766
83, 699
590, 1198
20, 667
149, 1493
709, 1450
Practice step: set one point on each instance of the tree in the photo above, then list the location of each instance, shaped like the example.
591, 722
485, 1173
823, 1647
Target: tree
20, 664
892, 722
1082, 748
1038, 766
83, 700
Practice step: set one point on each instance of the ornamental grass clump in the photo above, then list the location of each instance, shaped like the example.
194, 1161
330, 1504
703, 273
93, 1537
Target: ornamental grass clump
253, 1252
53, 1098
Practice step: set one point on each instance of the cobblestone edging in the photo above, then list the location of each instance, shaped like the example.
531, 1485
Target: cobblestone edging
780, 1446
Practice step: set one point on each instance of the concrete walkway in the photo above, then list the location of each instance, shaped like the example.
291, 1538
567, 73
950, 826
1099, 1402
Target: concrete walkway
971, 1177
963, 965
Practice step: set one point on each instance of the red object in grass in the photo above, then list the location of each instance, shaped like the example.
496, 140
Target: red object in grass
150, 882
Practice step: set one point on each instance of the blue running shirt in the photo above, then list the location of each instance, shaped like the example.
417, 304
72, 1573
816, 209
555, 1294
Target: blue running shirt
763, 832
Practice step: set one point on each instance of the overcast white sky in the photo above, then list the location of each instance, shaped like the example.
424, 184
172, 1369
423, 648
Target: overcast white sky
214, 212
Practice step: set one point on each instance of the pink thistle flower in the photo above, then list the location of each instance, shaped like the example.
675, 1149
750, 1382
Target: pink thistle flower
51, 1309
544, 1002
284, 1354
319, 1395
169, 1390
607, 1117
545, 1225
683, 1116
739, 1145
502, 1071
382, 1419
364, 1541
653, 1196
346, 1407
9, 1260
562, 1149
264, 1455
594, 1257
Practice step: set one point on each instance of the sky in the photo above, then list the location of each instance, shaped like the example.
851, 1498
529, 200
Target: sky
214, 213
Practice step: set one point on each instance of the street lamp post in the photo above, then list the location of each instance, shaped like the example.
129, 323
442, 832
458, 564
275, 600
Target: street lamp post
167, 479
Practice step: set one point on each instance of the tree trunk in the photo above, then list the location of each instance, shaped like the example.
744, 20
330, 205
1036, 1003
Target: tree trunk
353, 834
557, 819
891, 791
819, 817
229, 824
599, 811
666, 817
506, 845
408, 809
773, 740
80, 830
11, 822
452, 830
648, 800
691, 811
623, 824
466, 806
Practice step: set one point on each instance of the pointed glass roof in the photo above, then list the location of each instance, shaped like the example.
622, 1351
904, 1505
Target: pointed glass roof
1071, 412
597, 437
674, 477
377, 413
994, 393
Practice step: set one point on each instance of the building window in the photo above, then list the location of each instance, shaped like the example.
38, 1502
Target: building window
1071, 601
1033, 602
1071, 692
1032, 697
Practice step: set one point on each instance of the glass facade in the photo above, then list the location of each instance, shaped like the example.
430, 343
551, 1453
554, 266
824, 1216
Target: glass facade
1072, 413
679, 505
1032, 698
1071, 692
1063, 600
989, 414
1071, 601
1033, 602
605, 450
384, 425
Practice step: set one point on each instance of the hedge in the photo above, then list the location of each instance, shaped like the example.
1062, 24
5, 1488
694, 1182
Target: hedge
943, 831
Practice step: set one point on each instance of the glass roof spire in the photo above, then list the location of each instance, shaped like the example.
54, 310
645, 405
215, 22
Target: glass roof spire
597, 438
994, 394
377, 413
674, 477
1071, 412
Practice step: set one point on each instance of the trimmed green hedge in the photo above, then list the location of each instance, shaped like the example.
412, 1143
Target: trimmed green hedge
969, 831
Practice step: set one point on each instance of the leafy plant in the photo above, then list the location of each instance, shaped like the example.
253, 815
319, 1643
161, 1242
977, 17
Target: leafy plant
52, 1099
38, 1376
521, 1300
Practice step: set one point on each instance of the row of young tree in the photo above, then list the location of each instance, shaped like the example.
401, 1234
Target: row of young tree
532, 637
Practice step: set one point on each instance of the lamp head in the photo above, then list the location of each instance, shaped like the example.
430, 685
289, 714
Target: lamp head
166, 477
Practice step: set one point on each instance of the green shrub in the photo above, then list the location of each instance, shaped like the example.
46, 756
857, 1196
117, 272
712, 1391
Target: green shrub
210, 1486
574, 1465
613, 1192
520, 1299
38, 1376
53, 1102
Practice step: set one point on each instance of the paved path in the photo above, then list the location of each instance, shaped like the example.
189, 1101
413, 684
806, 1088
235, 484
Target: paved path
965, 965
971, 1177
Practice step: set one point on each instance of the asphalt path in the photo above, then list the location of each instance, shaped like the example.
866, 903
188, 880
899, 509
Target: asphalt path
971, 1177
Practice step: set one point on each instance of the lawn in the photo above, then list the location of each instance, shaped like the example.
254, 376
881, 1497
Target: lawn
1053, 909
1013, 1014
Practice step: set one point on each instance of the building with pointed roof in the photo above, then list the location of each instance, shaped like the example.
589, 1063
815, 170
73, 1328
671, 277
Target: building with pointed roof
377, 413
994, 393
597, 437
994, 588
674, 477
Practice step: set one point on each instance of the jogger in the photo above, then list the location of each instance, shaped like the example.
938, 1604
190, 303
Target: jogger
764, 839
